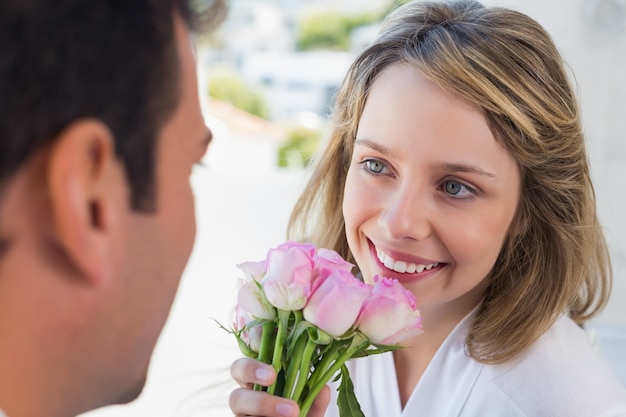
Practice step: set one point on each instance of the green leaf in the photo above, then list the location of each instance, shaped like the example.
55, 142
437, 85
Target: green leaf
346, 400
222, 326
319, 336
245, 349
299, 329
243, 346
377, 349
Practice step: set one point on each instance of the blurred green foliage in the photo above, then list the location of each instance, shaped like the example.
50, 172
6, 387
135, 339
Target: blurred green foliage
330, 30
228, 87
299, 148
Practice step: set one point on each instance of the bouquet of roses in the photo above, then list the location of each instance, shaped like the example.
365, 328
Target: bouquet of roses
303, 311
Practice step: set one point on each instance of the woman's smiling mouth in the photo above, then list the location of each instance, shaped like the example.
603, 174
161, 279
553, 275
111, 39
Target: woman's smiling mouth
402, 266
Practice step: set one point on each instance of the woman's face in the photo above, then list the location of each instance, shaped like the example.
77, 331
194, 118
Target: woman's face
429, 194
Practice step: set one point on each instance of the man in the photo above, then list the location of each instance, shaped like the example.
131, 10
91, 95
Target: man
100, 125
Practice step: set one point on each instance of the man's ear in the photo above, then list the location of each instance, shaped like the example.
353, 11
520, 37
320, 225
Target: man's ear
84, 184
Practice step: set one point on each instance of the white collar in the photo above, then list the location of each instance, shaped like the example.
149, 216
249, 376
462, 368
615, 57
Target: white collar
449, 367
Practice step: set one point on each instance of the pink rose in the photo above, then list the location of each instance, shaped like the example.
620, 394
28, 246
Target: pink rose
250, 335
253, 270
389, 315
329, 259
336, 301
290, 273
251, 299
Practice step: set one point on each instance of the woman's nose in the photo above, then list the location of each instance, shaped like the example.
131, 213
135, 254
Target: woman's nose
406, 215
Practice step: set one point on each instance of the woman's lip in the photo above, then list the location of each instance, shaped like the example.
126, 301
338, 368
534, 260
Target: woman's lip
404, 277
401, 256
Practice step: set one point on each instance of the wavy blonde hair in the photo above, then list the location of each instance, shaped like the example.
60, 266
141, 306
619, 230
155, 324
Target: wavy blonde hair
554, 259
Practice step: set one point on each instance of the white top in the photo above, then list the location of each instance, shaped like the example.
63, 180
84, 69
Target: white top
560, 375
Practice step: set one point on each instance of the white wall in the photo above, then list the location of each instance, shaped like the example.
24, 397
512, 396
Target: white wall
591, 35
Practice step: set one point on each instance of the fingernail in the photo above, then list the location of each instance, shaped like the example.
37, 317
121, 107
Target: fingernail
263, 374
286, 409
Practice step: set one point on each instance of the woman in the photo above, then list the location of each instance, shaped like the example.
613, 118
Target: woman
457, 165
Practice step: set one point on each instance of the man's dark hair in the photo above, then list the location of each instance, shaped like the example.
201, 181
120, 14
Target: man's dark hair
113, 60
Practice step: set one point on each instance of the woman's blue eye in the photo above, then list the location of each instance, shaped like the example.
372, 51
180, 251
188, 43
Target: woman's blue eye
453, 187
374, 166
457, 189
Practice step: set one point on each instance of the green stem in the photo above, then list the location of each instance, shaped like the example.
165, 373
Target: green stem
326, 361
305, 367
265, 350
296, 356
283, 320
293, 367
299, 317
358, 343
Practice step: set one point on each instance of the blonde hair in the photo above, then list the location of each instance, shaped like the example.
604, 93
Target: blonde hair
555, 259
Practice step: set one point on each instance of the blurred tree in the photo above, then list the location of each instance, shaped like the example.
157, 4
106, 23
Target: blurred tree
330, 30
229, 87
301, 145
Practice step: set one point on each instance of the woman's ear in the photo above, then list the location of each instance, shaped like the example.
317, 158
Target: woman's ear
84, 181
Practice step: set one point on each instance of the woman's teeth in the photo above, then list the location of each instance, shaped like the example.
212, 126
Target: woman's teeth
401, 266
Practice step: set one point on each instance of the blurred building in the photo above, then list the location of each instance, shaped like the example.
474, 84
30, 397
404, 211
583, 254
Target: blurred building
257, 42
296, 82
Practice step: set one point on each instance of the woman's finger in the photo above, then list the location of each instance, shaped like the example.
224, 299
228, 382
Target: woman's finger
247, 372
320, 404
245, 402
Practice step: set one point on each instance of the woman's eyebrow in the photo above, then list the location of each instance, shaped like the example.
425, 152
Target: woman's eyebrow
464, 168
373, 145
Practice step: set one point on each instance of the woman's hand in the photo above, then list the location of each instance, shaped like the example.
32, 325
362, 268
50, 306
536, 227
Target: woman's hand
246, 402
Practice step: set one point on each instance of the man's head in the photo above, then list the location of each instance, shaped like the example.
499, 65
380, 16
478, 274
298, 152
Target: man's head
69, 59
100, 125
